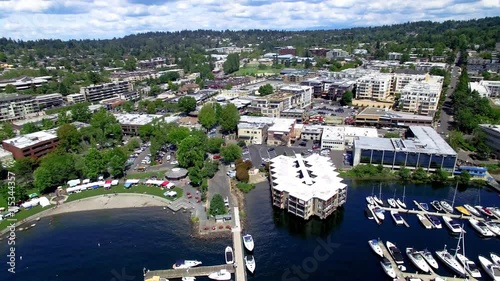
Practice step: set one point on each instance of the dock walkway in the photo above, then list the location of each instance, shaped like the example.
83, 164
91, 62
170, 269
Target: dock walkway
455, 216
238, 247
400, 275
188, 272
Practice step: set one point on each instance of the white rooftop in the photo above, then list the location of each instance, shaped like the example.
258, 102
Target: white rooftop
480, 88
30, 139
256, 119
282, 125
340, 132
136, 119
306, 178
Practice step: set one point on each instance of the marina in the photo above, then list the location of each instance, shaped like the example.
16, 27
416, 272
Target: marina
423, 213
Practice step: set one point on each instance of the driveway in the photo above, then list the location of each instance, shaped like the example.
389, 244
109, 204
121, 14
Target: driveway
220, 184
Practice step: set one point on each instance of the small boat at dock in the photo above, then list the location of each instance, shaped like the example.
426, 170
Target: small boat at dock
463, 210
484, 211
387, 267
493, 227
424, 221
435, 204
472, 210
469, 266
395, 252
422, 206
248, 242
229, 255
379, 213
417, 260
491, 269
250, 263
374, 244
392, 203
401, 203
435, 221
446, 206
495, 211
378, 200
369, 200
368, 213
188, 278
481, 228
495, 258
398, 219
427, 255
183, 264
220, 275
453, 225
450, 260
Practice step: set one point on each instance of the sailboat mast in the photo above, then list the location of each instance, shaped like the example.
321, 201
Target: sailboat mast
460, 238
380, 193
454, 195
404, 193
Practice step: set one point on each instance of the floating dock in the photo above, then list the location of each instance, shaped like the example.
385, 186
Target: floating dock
401, 276
188, 272
405, 211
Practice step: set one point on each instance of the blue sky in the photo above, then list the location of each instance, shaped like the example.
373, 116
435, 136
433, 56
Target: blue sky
80, 19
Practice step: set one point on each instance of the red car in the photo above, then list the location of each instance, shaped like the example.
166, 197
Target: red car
216, 157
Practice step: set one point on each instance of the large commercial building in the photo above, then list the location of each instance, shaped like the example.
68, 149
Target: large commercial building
423, 147
421, 97
336, 138
374, 87
25, 82
492, 133
252, 133
132, 122
307, 186
49, 101
282, 132
33, 145
105, 91
15, 107
371, 116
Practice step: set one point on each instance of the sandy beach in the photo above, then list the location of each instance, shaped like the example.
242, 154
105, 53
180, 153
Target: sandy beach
118, 201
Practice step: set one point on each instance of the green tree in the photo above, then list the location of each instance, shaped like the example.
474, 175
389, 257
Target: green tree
231, 152
69, 138
24, 168
130, 64
146, 131
108, 127
242, 173
232, 63
7, 131
266, 89
9, 89
55, 169
419, 175
391, 135
128, 106
29, 128
94, 164
217, 206
187, 104
440, 176
207, 116
3, 57
177, 134
404, 174
80, 112
214, 144
347, 98
195, 175
63, 118
307, 64
117, 166
191, 152
173, 86
464, 177
229, 118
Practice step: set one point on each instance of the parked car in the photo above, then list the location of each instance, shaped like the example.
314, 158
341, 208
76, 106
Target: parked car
216, 157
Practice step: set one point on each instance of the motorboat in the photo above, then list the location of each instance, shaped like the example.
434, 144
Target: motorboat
469, 266
495, 258
424, 221
401, 203
374, 244
435, 221
481, 228
472, 210
417, 260
427, 255
379, 213
248, 242
484, 211
223, 274
188, 278
463, 210
229, 255
250, 263
422, 206
182, 264
368, 213
450, 261
435, 204
395, 252
495, 211
453, 225
369, 200
387, 267
491, 269
392, 202
493, 227
398, 219
446, 206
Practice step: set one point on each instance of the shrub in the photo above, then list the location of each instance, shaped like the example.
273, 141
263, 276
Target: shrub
245, 187
242, 173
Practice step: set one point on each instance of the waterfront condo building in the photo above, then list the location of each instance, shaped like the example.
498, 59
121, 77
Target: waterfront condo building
421, 97
374, 87
94, 93
423, 147
492, 134
307, 186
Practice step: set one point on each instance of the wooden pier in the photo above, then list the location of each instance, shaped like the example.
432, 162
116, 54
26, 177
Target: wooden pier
455, 216
188, 272
238, 248
400, 275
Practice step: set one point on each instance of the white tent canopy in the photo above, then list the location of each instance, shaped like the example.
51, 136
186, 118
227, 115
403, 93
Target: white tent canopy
44, 202
72, 183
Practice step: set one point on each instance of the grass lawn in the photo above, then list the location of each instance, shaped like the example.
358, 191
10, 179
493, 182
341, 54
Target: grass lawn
140, 189
21, 216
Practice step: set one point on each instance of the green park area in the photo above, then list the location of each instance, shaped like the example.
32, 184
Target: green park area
254, 69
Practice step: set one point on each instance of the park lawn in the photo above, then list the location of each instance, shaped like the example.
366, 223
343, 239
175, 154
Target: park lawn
139, 189
21, 216
252, 70
3, 200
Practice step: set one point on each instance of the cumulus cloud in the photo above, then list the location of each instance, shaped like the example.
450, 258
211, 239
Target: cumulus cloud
67, 19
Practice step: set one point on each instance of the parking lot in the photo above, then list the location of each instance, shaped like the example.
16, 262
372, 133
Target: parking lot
142, 159
324, 107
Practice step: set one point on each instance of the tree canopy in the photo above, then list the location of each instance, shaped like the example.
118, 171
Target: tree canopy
217, 206
229, 117
265, 90
207, 116
232, 63
187, 104
231, 152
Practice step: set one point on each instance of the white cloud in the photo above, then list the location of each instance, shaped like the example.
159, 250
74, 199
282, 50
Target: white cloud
34, 19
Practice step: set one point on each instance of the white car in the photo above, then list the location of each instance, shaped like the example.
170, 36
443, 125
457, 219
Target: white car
168, 157
175, 162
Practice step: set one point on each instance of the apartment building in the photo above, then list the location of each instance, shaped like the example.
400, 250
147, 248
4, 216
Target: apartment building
15, 107
25, 82
289, 50
337, 54
49, 101
307, 186
75, 98
95, 93
311, 133
318, 52
421, 97
374, 86
400, 80
253, 133
492, 133
394, 56
288, 97
131, 123
33, 145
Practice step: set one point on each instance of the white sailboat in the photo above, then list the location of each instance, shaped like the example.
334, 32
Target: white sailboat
401, 203
492, 269
468, 265
374, 244
417, 260
369, 199
472, 210
446, 206
493, 227
183, 264
450, 260
392, 201
495, 258
250, 263
378, 199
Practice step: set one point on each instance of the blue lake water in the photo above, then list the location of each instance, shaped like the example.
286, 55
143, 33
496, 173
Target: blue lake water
115, 245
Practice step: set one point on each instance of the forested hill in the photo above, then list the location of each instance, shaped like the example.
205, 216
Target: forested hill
454, 34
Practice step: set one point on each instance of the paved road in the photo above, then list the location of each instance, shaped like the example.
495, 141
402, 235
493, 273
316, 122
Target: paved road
220, 184
446, 112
